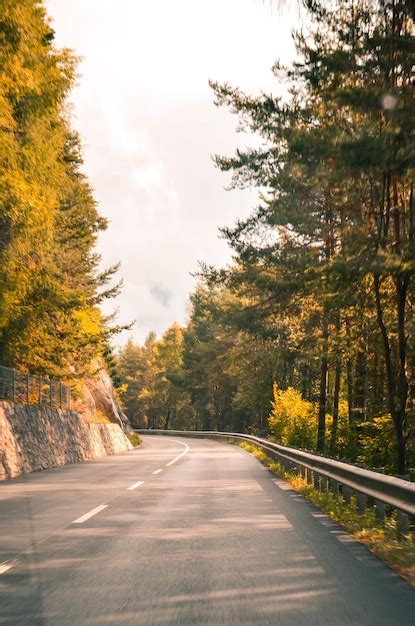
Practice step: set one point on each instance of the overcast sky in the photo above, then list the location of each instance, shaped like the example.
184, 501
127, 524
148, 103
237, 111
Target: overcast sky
148, 125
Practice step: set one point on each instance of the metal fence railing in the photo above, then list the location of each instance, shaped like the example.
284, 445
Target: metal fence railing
23, 388
370, 488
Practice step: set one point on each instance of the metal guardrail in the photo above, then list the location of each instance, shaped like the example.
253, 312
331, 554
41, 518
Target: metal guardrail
33, 389
328, 474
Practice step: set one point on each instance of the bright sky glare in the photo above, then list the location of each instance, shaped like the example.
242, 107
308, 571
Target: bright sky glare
148, 125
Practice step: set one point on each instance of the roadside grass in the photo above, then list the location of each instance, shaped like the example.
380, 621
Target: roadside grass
379, 539
134, 438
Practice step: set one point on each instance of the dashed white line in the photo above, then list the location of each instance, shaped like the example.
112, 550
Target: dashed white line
158, 471
135, 485
4, 567
283, 485
85, 517
179, 456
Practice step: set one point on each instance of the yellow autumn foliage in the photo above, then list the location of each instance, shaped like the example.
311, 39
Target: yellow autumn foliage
292, 421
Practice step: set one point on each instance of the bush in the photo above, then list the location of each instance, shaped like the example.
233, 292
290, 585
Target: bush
378, 443
134, 438
292, 421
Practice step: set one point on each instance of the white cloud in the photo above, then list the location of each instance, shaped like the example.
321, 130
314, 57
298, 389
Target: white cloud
148, 177
149, 127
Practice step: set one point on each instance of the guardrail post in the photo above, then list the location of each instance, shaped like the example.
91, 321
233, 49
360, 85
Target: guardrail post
324, 483
302, 472
379, 511
335, 486
403, 476
347, 494
316, 480
361, 502
403, 524
308, 474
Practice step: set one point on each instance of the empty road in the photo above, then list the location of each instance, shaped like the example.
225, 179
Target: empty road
182, 531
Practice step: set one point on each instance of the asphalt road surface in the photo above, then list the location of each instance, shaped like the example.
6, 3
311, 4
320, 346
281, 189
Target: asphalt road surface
182, 532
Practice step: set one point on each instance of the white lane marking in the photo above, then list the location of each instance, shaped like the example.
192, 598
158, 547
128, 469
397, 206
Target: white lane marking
346, 538
283, 485
4, 567
179, 456
85, 517
135, 485
158, 471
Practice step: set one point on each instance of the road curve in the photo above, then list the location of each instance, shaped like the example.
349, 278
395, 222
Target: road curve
182, 532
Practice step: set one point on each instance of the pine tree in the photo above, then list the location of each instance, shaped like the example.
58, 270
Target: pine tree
335, 225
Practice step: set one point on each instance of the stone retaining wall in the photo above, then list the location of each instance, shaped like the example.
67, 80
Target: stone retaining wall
34, 438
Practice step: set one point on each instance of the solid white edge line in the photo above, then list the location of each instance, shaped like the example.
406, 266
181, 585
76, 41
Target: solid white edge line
179, 456
4, 567
85, 517
158, 471
135, 485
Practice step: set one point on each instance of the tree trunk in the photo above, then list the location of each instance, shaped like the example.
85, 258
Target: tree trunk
167, 420
358, 412
377, 401
304, 381
396, 402
322, 403
206, 420
349, 378
336, 396
402, 284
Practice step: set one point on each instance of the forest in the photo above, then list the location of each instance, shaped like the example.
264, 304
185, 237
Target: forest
308, 335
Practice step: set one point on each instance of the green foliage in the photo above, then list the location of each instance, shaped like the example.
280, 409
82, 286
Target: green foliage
328, 258
345, 446
378, 444
151, 378
49, 280
133, 364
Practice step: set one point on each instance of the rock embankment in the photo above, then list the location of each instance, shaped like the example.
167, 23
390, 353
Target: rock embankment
34, 438
96, 397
